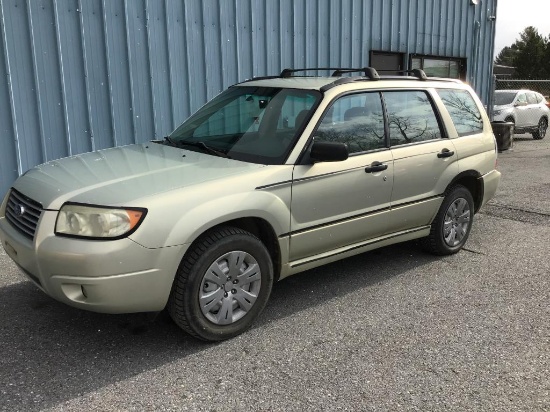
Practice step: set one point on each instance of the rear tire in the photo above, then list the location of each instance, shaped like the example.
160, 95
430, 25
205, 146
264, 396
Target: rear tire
541, 129
451, 227
222, 284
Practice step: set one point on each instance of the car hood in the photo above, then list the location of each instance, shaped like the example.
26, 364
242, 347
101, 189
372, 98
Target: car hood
121, 175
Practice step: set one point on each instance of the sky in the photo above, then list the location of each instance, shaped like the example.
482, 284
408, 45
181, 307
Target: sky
513, 16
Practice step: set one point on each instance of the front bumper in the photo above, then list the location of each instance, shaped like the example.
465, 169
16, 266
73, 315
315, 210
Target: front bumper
118, 276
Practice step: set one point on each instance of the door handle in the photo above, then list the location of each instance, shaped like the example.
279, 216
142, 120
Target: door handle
375, 167
445, 153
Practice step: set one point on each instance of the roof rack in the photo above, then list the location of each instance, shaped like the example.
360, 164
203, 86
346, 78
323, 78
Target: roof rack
369, 72
418, 73
289, 72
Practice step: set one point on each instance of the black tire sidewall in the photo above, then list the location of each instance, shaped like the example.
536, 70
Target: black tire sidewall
456, 193
196, 320
537, 135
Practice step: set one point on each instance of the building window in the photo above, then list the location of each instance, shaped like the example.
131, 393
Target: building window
450, 67
387, 63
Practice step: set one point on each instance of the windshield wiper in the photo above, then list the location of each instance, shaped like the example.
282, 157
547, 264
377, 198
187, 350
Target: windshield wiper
205, 147
171, 141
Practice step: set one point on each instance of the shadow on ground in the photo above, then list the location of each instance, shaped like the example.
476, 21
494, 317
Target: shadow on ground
52, 352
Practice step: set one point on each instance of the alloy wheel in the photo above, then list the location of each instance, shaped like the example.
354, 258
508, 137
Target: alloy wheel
457, 221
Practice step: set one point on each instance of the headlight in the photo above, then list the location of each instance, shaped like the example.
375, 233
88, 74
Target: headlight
97, 221
497, 112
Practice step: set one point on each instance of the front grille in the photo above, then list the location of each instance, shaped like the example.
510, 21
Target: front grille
23, 213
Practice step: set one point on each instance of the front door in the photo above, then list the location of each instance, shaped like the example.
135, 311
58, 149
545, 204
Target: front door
342, 203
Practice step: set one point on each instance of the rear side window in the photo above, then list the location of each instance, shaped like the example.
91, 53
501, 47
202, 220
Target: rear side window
463, 110
531, 98
411, 118
522, 98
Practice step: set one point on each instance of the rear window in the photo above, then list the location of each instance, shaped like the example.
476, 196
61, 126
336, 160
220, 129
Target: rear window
463, 110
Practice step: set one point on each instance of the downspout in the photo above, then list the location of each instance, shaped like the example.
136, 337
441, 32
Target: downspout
492, 87
475, 54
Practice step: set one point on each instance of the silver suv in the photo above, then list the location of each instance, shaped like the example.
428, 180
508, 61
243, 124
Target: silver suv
272, 177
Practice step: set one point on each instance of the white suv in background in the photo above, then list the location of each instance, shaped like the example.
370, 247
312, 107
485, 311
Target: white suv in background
528, 111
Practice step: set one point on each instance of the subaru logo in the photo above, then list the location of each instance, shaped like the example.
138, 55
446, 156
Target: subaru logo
19, 210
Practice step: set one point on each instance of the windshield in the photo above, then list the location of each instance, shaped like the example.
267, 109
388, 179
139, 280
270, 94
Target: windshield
253, 124
502, 98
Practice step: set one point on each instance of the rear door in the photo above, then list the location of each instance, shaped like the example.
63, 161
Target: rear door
522, 110
425, 160
534, 109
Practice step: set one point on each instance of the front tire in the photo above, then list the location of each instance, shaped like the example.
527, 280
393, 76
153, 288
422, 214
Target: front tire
222, 284
451, 226
541, 129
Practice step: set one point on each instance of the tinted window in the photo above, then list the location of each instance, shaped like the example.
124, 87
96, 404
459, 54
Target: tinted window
502, 98
411, 117
463, 110
356, 120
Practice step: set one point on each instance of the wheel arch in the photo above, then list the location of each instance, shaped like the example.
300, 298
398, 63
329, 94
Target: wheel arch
470, 179
511, 118
260, 228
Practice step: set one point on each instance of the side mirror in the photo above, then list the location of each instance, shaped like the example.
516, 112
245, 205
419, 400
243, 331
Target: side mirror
329, 151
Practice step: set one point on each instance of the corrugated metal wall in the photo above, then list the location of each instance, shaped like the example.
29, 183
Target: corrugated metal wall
79, 75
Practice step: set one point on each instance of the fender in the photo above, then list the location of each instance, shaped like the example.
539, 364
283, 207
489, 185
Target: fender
195, 209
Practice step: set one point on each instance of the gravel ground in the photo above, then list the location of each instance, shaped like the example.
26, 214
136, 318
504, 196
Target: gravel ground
394, 329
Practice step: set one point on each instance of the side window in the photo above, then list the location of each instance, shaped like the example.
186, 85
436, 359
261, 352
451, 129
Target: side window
357, 120
411, 117
463, 110
522, 98
531, 98
540, 97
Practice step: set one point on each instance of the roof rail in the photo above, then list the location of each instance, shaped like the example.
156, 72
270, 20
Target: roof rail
337, 71
418, 73
369, 72
288, 72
